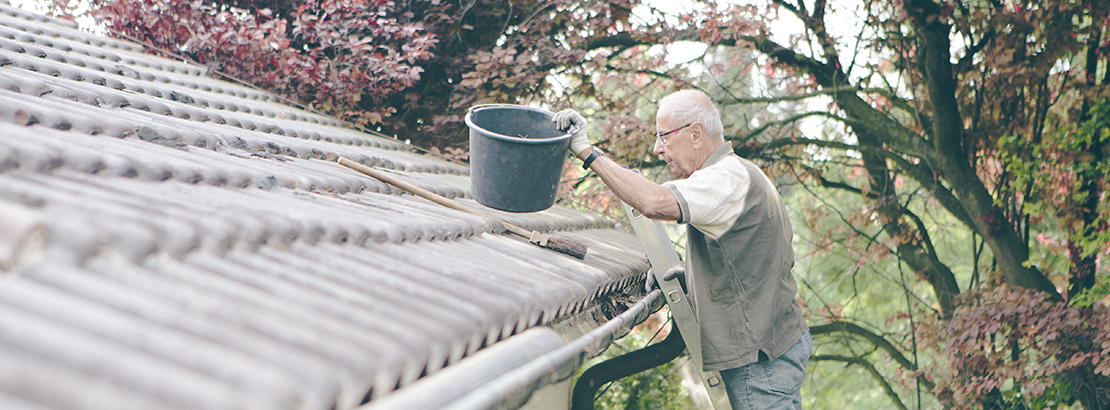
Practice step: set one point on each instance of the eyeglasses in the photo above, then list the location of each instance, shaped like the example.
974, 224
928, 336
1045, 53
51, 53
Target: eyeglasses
662, 137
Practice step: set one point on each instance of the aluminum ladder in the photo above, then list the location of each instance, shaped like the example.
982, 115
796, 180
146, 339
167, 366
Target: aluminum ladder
662, 257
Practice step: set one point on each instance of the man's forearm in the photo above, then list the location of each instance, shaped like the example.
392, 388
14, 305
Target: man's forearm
653, 200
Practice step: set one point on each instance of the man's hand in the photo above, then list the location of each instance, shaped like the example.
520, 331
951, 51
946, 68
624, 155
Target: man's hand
672, 273
676, 272
578, 142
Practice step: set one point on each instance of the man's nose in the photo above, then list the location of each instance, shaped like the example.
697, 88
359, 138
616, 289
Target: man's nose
658, 148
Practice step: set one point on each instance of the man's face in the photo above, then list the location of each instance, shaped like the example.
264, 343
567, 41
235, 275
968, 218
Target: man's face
677, 146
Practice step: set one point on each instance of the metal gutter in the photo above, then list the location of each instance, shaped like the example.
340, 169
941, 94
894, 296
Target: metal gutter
505, 375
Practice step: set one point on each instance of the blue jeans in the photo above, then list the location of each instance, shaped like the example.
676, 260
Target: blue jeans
774, 384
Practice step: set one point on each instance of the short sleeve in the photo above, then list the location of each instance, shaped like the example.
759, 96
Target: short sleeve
712, 198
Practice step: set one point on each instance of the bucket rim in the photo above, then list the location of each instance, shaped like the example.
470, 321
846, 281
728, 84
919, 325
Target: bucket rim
503, 137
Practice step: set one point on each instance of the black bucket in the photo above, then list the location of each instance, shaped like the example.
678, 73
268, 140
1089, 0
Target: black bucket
516, 157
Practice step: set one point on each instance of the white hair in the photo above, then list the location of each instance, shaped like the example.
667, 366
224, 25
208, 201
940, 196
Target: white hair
687, 106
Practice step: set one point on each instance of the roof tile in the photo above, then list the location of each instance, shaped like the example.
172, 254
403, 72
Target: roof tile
186, 242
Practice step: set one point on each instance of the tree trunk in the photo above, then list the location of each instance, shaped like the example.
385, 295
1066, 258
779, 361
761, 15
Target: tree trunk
1009, 250
1084, 267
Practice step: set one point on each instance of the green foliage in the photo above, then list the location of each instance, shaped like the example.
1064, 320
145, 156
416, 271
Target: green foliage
659, 388
1056, 397
831, 385
1092, 295
1054, 168
844, 275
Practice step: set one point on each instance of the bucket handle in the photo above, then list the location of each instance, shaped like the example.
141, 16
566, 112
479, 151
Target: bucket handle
481, 106
571, 130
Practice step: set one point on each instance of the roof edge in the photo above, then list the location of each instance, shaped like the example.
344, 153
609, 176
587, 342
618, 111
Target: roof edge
506, 374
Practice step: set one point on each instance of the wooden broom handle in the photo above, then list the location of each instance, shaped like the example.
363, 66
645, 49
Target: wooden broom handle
426, 194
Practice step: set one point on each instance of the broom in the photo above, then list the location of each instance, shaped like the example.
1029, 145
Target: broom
559, 244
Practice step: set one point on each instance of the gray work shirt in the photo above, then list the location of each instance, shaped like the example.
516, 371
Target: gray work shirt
739, 253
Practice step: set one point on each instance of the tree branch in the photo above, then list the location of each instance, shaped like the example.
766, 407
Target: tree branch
969, 56
864, 115
782, 142
759, 130
875, 339
920, 172
823, 91
845, 187
832, 82
924, 232
951, 157
928, 178
617, 40
870, 369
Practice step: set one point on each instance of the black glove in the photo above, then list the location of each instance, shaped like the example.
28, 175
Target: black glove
676, 272
672, 273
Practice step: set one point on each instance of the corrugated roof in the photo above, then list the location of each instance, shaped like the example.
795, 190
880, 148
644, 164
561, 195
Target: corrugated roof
170, 240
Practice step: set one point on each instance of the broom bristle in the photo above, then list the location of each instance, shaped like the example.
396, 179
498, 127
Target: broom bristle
568, 246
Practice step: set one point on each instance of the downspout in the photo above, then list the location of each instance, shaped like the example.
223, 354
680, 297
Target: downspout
505, 375
623, 366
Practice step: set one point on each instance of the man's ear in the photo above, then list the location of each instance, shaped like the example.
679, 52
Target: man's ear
698, 134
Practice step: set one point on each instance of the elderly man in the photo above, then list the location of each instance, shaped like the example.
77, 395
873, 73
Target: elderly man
739, 248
